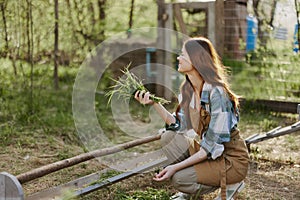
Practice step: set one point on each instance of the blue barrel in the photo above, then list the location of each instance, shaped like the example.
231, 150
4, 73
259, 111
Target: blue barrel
252, 30
296, 45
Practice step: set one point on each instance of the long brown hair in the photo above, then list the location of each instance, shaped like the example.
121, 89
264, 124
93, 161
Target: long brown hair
206, 61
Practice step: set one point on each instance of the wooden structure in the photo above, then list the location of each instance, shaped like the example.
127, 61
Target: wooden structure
235, 28
225, 22
171, 15
168, 13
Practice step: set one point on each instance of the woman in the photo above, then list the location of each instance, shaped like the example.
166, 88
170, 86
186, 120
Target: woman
202, 141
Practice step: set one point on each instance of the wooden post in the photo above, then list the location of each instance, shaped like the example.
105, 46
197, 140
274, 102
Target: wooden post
10, 187
47, 169
168, 49
211, 23
160, 54
219, 26
179, 18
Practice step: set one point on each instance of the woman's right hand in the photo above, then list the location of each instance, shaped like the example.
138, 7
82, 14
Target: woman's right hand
143, 97
166, 173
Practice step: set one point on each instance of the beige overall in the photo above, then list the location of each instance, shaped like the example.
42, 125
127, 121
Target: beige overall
210, 174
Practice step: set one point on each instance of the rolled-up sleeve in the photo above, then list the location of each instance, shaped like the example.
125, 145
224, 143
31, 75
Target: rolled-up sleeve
220, 124
180, 124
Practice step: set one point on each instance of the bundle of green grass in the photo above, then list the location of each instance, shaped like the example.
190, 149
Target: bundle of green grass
128, 85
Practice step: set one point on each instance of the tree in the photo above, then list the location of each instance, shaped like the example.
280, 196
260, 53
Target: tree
130, 19
29, 30
262, 15
102, 15
3, 8
55, 73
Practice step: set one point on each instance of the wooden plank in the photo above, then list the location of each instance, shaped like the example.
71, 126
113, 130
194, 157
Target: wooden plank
273, 105
179, 18
57, 191
120, 177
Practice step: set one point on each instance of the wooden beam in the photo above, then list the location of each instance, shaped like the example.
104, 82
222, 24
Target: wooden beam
47, 169
179, 18
120, 177
272, 105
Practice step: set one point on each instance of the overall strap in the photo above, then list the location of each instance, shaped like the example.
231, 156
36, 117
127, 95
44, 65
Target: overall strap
223, 178
205, 97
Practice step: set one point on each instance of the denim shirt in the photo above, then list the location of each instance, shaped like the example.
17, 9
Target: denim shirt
223, 118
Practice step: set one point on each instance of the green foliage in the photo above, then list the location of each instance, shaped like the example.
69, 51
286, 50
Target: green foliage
267, 124
82, 26
48, 110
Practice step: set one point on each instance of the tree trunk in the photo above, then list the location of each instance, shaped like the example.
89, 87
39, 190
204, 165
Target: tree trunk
93, 18
130, 19
273, 13
55, 73
2, 7
260, 33
75, 36
261, 18
29, 31
102, 15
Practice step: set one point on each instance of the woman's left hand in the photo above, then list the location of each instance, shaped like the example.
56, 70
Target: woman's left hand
166, 173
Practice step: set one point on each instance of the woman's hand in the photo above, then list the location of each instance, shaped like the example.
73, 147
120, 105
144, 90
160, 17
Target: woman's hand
166, 173
143, 97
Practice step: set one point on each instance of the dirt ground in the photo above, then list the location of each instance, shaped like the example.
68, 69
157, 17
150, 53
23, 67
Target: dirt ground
274, 171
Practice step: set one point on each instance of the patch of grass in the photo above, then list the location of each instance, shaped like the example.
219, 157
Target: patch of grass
147, 194
292, 143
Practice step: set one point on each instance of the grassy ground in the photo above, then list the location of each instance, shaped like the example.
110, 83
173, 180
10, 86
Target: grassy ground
38, 128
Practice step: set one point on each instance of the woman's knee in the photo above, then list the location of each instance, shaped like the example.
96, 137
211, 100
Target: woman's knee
184, 183
176, 180
167, 137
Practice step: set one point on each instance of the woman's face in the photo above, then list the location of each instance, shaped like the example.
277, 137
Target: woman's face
184, 65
